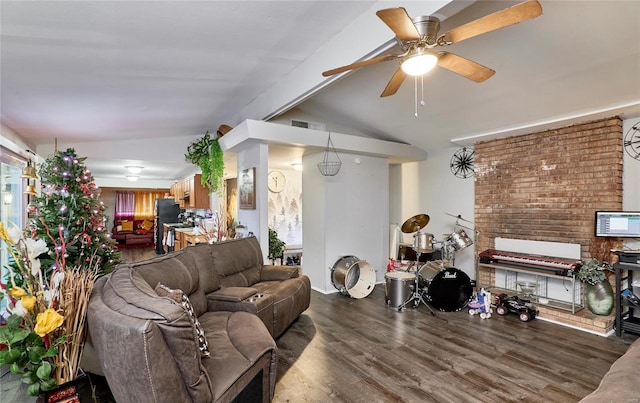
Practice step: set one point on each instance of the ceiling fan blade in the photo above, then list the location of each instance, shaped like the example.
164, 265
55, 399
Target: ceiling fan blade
500, 19
400, 23
394, 83
358, 65
465, 67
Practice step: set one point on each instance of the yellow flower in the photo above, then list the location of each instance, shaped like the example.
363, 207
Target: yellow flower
28, 302
3, 232
17, 292
47, 322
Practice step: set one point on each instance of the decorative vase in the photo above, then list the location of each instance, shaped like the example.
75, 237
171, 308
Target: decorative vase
69, 392
600, 298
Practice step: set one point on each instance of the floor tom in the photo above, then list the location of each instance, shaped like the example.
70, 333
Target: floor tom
398, 287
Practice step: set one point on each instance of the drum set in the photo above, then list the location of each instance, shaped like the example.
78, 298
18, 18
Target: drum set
434, 283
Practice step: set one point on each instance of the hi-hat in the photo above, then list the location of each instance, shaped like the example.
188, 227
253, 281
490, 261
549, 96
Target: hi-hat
459, 217
415, 223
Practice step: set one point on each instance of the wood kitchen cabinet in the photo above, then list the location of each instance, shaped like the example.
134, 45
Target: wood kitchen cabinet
189, 193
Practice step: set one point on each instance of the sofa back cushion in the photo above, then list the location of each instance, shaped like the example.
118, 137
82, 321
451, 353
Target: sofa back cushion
202, 255
177, 271
128, 293
238, 262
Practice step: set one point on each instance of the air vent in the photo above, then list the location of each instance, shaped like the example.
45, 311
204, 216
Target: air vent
308, 125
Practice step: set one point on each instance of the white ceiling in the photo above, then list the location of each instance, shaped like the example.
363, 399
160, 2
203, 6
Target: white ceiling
134, 82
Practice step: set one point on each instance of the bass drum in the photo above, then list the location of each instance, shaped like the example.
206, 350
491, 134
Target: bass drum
450, 290
352, 276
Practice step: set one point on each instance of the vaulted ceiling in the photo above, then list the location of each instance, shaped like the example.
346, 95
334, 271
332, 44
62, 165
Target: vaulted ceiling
135, 82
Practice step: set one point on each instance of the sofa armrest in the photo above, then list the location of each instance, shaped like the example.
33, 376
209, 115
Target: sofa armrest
279, 273
232, 294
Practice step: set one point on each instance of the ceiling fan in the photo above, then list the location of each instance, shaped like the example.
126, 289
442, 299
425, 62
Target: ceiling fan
419, 40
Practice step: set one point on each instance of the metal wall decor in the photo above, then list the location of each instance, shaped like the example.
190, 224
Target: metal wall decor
632, 141
462, 163
330, 166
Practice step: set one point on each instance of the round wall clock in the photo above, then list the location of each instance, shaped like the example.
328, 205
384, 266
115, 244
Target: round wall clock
632, 141
462, 163
276, 181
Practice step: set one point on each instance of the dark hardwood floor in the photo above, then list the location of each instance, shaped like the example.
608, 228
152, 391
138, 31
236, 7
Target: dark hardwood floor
359, 350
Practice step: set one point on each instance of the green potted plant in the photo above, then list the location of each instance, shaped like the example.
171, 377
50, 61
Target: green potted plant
207, 154
276, 246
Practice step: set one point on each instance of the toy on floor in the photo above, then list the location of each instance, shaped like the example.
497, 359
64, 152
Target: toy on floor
481, 304
523, 307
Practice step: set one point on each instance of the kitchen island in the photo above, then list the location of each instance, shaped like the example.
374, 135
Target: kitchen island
182, 237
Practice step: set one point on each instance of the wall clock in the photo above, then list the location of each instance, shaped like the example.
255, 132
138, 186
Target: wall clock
276, 181
462, 163
632, 141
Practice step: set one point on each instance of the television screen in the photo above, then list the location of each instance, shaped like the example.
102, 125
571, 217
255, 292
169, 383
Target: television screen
623, 224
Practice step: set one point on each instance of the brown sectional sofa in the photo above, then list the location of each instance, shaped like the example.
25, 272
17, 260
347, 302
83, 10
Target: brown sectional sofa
621, 384
145, 343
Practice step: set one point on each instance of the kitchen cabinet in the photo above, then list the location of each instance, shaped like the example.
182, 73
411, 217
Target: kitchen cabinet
189, 193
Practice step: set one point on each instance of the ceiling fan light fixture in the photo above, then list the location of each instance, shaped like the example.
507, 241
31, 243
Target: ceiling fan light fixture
419, 63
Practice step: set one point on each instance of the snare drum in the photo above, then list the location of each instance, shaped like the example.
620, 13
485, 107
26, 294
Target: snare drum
398, 287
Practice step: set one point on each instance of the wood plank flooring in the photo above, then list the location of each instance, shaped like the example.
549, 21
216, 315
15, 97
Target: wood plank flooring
347, 350
359, 350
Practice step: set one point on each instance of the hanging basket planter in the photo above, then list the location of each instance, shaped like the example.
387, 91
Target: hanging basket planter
330, 166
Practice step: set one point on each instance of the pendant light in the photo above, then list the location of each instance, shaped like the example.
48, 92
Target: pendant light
330, 166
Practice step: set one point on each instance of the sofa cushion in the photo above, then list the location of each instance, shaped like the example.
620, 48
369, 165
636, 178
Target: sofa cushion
146, 225
177, 271
240, 339
203, 259
127, 226
178, 297
238, 262
128, 294
278, 273
620, 383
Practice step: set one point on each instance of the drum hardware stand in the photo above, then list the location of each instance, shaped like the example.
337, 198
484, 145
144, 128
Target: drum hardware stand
417, 294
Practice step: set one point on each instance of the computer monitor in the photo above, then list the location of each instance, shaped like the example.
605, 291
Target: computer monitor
620, 224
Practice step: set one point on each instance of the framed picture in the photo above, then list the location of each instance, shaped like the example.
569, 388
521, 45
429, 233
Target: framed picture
247, 189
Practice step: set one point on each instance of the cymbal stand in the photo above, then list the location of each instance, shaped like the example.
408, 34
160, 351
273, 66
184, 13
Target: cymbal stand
416, 295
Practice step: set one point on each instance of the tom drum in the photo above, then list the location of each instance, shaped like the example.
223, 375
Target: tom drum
459, 240
352, 276
423, 242
398, 287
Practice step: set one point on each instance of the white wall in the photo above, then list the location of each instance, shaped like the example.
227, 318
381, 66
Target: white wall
630, 181
346, 214
256, 155
429, 187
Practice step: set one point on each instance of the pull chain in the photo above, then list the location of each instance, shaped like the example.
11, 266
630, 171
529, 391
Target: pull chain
415, 96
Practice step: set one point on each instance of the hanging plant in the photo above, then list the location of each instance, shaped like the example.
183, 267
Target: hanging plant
207, 154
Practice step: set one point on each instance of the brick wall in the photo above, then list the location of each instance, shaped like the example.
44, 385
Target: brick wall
547, 186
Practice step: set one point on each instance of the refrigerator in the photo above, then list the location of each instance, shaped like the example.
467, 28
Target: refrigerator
166, 212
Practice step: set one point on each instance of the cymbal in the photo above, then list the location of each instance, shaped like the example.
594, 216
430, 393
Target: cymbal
459, 217
415, 223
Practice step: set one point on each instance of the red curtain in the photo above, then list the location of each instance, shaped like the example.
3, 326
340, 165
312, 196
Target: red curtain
125, 204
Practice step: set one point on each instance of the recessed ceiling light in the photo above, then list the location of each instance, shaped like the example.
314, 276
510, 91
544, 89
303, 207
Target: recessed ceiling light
134, 169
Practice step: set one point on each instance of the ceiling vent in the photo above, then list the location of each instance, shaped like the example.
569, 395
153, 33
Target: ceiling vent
308, 125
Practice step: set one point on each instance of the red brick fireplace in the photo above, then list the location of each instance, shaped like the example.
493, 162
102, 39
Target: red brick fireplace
546, 186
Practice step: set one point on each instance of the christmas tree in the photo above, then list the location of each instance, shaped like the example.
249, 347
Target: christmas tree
69, 216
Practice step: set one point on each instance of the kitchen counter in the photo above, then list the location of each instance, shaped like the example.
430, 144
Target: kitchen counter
186, 237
